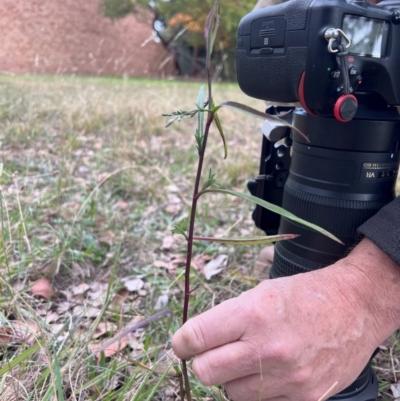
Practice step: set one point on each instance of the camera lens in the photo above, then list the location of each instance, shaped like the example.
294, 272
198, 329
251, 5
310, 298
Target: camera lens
339, 180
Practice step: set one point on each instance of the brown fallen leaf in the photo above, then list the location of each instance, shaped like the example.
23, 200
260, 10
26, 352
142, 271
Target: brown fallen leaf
162, 302
27, 330
80, 289
199, 262
52, 317
6, 336
215, 266
107, 238
86, 311
42, 288
168, 242
135, 284
162, 265
103, 328
173, 208
111, 349
122, 205
120, 297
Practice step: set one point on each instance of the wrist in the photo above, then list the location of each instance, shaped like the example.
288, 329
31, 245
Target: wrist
373, 279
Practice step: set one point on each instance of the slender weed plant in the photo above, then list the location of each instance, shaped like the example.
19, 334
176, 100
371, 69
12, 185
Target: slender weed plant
207, 114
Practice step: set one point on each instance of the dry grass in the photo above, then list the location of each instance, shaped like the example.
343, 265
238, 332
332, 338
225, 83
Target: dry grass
91, 186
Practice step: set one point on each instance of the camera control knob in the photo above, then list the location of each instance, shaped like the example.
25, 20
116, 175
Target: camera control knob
345, 108
396, 16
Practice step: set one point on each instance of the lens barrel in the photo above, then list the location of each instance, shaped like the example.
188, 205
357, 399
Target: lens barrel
341, 178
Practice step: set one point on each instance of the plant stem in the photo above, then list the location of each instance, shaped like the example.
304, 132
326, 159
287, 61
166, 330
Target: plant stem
186, 378
189, 251
192, 218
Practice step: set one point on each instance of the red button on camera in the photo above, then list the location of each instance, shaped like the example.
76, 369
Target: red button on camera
345, 108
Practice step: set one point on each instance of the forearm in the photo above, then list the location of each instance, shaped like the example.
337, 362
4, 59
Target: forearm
373, 278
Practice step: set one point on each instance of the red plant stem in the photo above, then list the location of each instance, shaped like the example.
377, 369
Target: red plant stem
190, 240
187, 384
192, 218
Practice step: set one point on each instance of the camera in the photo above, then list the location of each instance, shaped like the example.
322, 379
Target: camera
338, 167
340, 60
290, 53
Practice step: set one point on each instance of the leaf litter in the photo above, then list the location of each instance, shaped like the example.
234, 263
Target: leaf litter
80, 301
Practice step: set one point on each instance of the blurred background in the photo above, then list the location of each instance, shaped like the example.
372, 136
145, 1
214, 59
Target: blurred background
126, 38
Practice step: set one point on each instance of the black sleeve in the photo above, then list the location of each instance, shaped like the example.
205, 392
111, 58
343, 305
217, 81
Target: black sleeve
383, 229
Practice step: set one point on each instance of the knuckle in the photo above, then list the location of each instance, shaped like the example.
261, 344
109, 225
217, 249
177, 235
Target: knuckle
232, 391
237, 390
281, 353
202, 372
193, 337
301, 376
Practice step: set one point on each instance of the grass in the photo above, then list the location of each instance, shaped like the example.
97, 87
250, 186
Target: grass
91, 185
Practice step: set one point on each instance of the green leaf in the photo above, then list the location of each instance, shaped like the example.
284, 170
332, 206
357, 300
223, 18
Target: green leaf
256, 113
210, 31
200, 106
273, 208
199, 140
181, 228
58, 379
211, 182
180, 114
24, 356
200, 119
221, 131
248, 240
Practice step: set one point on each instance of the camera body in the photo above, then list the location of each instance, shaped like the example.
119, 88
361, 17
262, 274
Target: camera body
289, 53
341, 61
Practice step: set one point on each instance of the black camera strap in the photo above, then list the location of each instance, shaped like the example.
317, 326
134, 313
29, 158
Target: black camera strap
341, 58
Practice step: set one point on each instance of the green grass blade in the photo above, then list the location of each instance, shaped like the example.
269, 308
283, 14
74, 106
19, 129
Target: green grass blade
256, 240
158, 384
20, 358
139, 396
57, 374
274, 208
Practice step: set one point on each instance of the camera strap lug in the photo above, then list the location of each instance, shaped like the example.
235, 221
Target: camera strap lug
332, 35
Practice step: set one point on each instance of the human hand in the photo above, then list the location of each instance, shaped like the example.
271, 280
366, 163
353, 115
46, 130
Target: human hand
295, 338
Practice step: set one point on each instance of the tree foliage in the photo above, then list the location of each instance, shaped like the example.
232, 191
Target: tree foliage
182, 21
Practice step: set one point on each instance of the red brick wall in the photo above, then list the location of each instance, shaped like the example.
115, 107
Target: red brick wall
70, 36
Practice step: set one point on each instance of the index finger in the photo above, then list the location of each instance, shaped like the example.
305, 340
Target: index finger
220, 325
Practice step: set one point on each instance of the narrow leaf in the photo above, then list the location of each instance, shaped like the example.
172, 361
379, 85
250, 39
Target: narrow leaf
210, 31
58, 380
274, 208
24, 356
248, 240
200, 115
199, 140
221, 131
170, 122
211, 182
180, 228
256, 113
